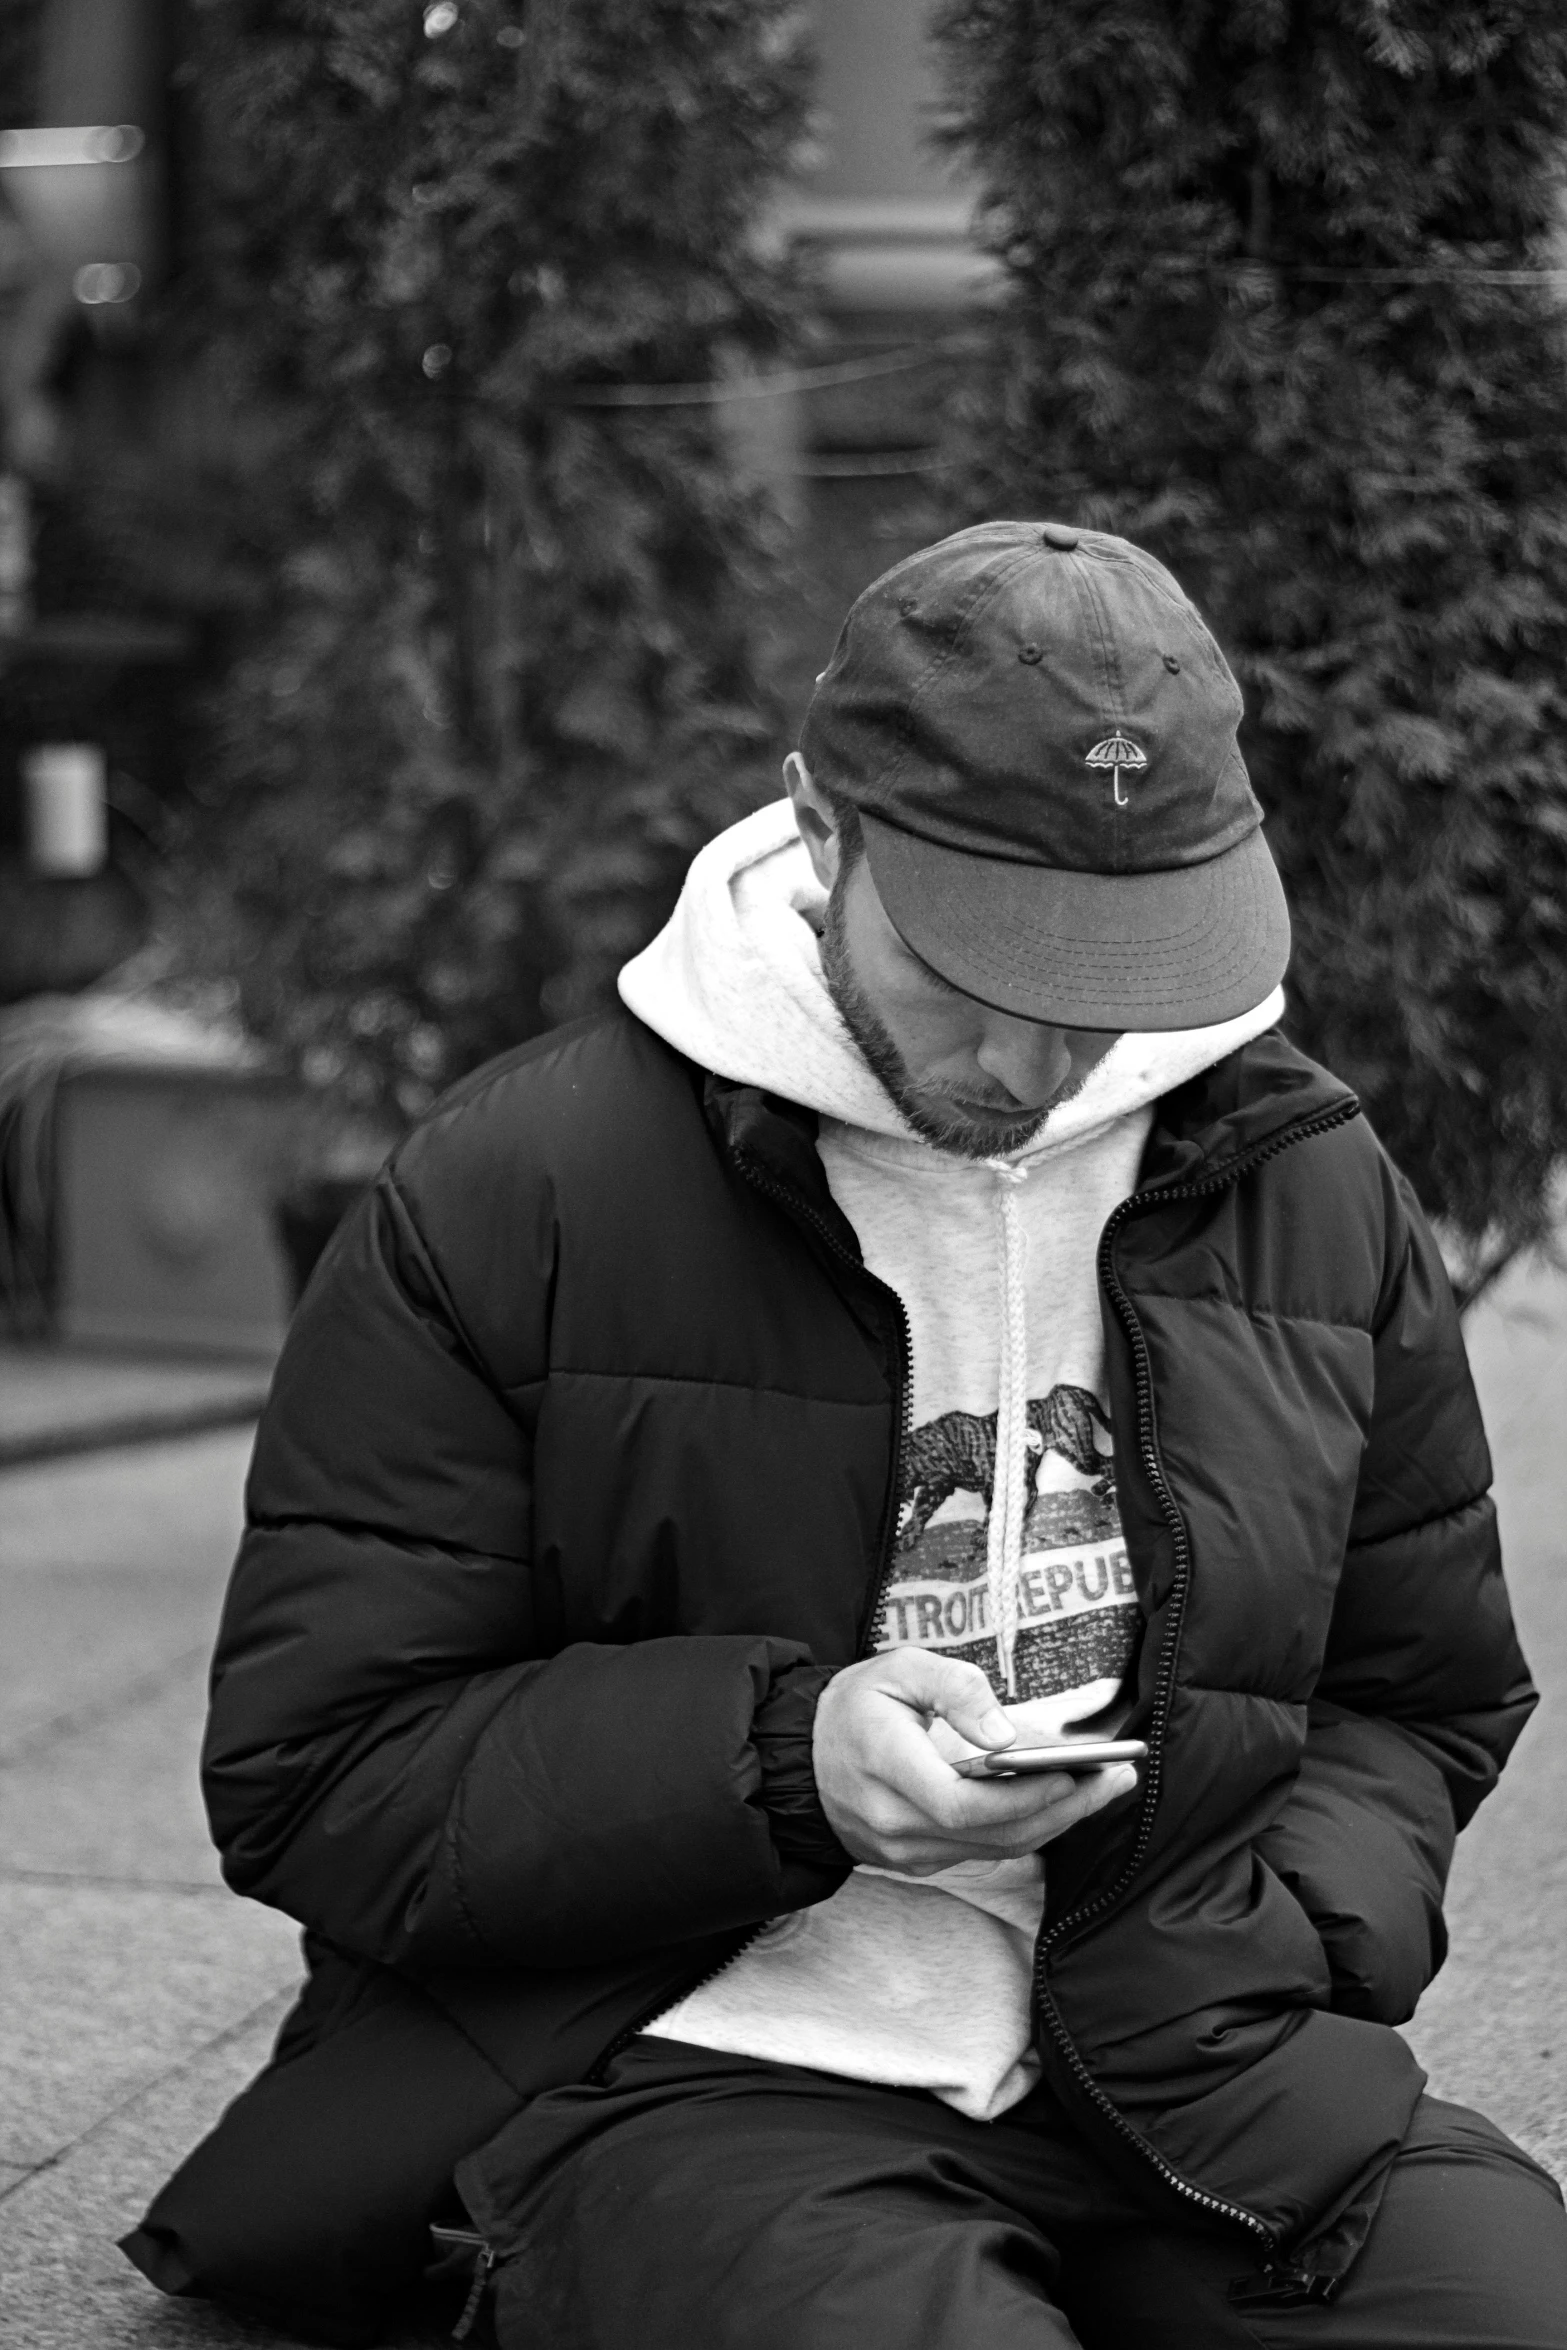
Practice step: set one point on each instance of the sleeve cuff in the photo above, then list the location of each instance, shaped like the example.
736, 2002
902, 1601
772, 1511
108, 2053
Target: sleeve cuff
781, 1732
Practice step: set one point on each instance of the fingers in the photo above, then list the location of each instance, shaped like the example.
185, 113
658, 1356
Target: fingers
1021, 1814
958, 1692
1010, 1809
922, 1850
894, 1801
1106, 1786
1089, 1794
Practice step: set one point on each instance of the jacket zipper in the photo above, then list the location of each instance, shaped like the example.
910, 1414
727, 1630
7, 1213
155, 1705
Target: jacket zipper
483, 2266
798, 1208
1095, 1911
593, 2078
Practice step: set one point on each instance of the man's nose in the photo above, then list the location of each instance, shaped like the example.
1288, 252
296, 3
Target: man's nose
1030, 1060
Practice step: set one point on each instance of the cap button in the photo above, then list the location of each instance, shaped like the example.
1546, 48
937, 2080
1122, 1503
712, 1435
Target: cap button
1060, 534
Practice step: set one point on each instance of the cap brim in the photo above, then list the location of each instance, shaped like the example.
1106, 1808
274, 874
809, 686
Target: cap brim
1183, 948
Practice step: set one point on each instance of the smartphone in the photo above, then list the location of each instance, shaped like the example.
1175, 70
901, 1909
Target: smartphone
1067, 1754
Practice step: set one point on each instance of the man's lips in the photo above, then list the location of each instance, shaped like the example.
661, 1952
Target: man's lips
1009, 1112
1002, 1113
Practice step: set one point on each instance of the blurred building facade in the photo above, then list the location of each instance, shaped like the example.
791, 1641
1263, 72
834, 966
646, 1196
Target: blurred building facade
885, 225
122, 1222
95, 660
87, 666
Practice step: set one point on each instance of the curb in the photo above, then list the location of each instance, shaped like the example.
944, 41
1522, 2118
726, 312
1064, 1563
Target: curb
130, 1427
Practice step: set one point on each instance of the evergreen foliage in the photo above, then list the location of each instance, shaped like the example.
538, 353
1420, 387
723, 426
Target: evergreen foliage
499, 678
1275, 313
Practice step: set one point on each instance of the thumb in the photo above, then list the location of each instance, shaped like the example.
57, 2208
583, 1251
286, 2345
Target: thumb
961, 1695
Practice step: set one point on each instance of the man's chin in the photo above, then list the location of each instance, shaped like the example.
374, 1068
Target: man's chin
970, 1134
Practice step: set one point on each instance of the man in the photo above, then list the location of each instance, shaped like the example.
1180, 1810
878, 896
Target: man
939, 1313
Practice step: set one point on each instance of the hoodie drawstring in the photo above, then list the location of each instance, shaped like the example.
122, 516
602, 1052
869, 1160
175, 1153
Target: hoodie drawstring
1009, 1492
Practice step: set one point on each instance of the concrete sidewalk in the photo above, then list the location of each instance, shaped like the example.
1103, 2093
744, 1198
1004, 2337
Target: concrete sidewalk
140, 1996
1492, 2030
56, 1400
142, 1993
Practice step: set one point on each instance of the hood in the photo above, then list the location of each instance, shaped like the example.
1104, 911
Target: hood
734, 982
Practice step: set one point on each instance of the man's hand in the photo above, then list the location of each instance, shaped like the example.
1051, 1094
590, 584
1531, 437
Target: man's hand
891, 1799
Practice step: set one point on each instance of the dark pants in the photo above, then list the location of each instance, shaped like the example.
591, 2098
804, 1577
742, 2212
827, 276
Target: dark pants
701, 2199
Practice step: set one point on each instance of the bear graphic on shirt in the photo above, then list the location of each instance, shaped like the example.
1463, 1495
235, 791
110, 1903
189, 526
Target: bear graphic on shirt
1079, 1619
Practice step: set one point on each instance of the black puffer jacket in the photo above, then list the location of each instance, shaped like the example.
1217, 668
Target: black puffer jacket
577, 1480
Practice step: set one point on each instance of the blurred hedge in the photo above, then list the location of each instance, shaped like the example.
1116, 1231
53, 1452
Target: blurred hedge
1265, 317
498, 674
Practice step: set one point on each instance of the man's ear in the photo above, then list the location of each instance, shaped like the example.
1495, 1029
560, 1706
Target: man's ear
813, 814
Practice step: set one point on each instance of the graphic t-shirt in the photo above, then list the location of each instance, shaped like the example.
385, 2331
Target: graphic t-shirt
1078, 1613
934, 1228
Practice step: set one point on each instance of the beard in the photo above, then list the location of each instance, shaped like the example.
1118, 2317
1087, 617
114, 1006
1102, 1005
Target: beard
935, 1111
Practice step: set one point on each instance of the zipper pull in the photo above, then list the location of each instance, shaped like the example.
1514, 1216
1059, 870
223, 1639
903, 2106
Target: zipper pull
476, 2292
1284, 2286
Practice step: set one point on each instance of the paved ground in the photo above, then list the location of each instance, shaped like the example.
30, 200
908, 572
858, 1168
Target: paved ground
56, 1399
140, 1996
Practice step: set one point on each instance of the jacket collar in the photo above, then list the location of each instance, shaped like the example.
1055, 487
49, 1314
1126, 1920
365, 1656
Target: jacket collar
1226, 1114
778, 1139
1204, 1128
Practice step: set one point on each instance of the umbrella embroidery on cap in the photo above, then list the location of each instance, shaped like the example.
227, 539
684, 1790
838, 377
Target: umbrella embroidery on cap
1115, 752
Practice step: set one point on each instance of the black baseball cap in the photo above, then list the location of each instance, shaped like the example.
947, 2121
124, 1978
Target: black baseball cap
1039, 733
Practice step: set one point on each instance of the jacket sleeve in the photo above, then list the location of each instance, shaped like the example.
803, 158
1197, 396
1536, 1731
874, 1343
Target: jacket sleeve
1423, 1690
399, 1754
